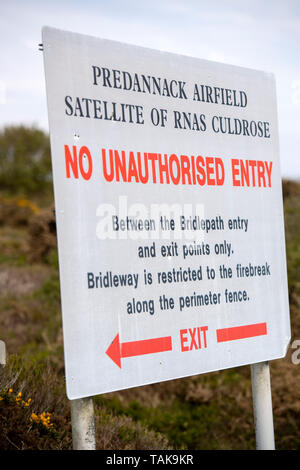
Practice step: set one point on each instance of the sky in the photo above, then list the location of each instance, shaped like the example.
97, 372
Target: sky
258, 34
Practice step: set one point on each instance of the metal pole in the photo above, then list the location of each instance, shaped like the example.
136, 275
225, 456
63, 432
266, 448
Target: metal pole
83, 426
262, 406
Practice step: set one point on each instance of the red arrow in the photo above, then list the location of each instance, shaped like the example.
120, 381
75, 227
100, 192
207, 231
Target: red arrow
117, 350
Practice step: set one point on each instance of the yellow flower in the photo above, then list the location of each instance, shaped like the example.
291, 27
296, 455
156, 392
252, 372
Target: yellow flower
43, 418
34, 418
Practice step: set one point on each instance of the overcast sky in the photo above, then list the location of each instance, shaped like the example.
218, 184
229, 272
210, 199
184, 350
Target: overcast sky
258, 34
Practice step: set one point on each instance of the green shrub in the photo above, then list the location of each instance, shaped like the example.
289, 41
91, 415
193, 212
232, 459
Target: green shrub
25, 163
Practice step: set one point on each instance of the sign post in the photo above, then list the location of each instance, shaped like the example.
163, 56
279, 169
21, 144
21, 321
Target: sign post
83, 425
2, 353
169, 215
262, 406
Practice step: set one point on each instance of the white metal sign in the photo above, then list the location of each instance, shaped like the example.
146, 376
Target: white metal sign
169, 213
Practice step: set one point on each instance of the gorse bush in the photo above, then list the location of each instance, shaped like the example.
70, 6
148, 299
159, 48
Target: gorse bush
25, 162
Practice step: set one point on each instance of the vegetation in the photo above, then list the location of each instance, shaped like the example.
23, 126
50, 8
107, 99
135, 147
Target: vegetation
25, 164
210, 411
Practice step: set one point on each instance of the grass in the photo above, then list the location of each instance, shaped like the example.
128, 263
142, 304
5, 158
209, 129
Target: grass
211, 411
